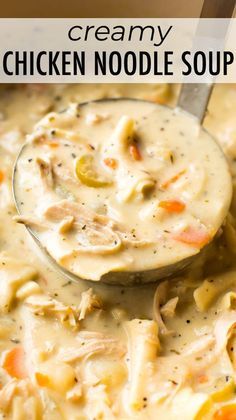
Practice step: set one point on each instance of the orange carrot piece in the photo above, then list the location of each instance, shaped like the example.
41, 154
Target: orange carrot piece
42, 379
173, 179
135, 152
1, 176
191, 236
155, 98
228, 412
172, 206
202, 379
111, 163
53, 145
14, 363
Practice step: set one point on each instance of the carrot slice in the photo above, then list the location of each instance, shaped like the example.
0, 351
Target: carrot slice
172, 206
173, 179
202, 379
228, 412
193, 236
42, 380
1, 176
14, 363
111, 163
53, 145
135, 152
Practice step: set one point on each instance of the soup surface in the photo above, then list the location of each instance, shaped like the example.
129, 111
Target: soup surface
69, 351
128, 185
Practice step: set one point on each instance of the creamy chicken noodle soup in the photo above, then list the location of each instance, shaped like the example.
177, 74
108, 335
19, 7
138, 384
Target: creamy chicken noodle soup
121, 186
72, 351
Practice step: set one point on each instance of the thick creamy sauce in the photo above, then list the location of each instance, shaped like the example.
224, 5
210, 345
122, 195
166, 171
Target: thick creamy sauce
69, 352
130, 184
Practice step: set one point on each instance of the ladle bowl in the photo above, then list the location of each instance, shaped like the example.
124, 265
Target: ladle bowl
127, 278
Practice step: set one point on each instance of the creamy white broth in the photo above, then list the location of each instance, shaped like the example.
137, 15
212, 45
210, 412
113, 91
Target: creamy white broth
171, 383
128, 184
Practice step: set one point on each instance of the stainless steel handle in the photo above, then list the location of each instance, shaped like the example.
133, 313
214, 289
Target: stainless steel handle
194, 97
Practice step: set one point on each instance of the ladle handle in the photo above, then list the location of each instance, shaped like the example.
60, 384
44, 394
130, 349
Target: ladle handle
194, 97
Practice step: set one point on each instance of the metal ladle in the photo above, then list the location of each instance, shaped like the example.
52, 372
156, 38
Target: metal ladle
193, 99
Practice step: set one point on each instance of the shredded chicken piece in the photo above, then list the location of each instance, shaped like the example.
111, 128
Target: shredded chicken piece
93, 231
68, 315
96, 233
168, 310
61, 173
159, 300
46, 306
64, 208
46, 172
89, 302
90, 344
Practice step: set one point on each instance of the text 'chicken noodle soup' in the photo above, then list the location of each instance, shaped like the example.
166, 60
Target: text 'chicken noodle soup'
121, 185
